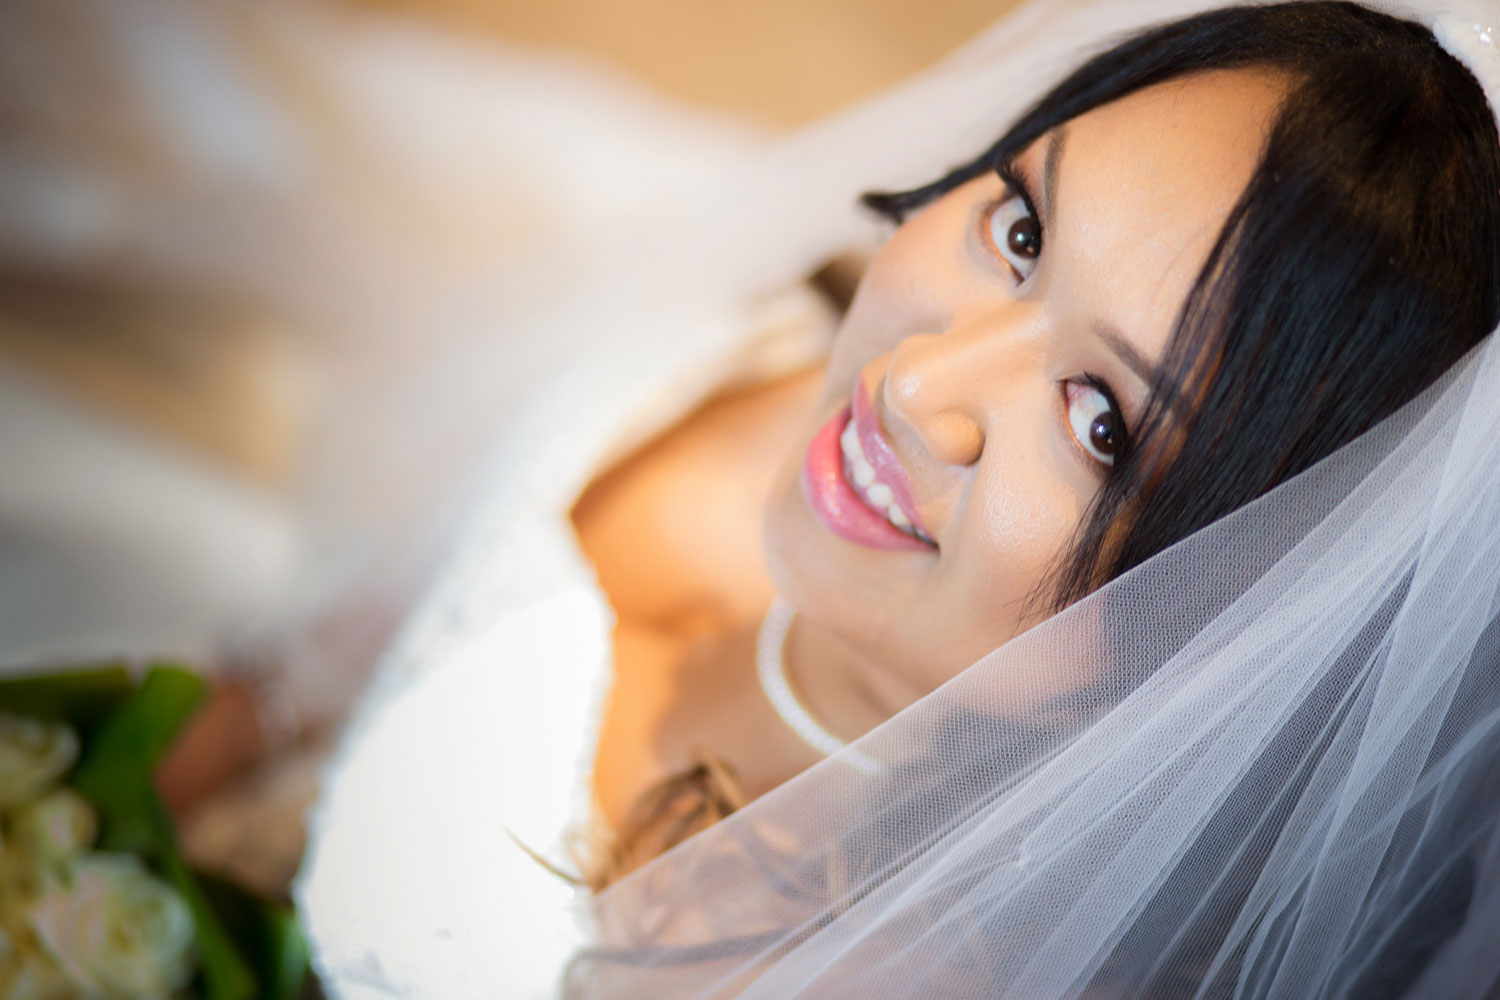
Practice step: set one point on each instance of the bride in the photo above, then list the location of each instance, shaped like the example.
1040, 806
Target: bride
1130, 566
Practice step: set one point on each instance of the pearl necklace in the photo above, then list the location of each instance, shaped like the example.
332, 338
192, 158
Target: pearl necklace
770, 666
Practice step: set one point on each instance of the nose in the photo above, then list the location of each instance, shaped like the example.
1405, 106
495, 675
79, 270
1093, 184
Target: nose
930, 385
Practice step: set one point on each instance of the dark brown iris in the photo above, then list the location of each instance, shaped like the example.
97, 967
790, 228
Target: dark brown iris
1025, 237
1104, 434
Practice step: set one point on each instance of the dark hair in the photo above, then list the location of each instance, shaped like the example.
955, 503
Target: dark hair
1361, 261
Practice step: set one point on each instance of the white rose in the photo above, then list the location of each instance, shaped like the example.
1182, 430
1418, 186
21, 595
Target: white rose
33, 754
117, 932
23, 876
26, 973
54, 827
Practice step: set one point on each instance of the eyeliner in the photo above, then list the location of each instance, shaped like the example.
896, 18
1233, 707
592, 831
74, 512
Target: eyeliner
1006, 170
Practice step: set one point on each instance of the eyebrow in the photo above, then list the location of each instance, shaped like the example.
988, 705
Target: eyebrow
1050, 167
1125, 351
1051, 164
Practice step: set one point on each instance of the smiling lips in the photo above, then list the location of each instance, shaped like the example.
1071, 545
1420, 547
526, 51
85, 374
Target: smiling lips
855, 484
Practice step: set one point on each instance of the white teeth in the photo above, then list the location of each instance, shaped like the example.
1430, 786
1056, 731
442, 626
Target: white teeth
876, 494
850, 441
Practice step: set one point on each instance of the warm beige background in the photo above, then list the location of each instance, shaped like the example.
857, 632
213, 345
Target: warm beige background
779, 61
221, 386
222, 395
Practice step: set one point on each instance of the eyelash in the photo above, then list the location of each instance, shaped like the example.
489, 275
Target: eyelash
1017, 185
1015, 189
1099, 385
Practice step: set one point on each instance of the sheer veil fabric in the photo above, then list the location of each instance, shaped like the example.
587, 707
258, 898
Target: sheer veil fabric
1278, 774
1280, 765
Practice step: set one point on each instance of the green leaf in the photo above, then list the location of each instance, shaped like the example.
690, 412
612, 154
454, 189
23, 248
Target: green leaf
117, 763
143, 728
115, 774
222, 970
83, 697
290, 957
268, 934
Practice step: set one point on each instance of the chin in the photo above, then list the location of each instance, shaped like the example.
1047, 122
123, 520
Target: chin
847, 588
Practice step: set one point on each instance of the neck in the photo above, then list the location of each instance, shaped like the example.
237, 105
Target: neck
848, 693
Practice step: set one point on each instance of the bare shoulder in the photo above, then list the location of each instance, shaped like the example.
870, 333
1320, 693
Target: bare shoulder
673, 530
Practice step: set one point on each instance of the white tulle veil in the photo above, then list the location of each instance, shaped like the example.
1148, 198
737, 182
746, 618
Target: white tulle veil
1283, 779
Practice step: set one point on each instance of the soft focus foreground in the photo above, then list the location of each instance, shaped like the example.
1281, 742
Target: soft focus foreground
237, 396
96, 899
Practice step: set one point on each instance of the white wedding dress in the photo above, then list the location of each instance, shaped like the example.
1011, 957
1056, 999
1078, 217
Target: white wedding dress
480, 734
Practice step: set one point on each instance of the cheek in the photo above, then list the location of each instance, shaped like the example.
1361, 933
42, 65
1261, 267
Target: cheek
1012, 534
1019, 528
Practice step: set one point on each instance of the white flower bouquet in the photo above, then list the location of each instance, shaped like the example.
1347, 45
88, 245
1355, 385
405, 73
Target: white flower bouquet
96, 902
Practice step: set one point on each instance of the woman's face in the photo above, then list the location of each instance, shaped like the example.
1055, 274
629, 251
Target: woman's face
996, 357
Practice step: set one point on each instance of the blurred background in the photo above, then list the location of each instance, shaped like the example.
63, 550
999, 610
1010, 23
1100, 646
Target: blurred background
781, 63
210, 457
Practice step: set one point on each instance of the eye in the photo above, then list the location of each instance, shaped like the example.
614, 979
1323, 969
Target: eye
1095, 420
1016, 234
